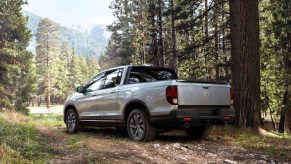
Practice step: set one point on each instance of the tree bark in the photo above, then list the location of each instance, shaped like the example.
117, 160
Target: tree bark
153, 35
206, 52
283, 111
285, 114
216, 50
288, 104
161, 43
245, 66
288, 113
48, 100
174, 46
142, 45
39, 101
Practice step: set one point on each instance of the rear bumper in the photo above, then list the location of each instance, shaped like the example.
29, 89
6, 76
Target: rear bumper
181, 117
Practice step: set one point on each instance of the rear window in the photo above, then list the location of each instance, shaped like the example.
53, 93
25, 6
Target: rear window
150, 74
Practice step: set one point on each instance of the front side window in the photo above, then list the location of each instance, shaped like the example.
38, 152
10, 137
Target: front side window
96, 83
105, 80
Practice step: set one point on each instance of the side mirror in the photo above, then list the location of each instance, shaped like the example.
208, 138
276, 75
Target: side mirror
80, 89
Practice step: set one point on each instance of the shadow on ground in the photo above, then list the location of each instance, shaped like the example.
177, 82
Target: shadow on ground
171, 136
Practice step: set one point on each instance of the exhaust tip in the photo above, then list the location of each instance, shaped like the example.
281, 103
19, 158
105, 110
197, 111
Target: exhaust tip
187, 125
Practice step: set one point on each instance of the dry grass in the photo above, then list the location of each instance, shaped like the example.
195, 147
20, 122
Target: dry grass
13, 117
260, 140
23, 141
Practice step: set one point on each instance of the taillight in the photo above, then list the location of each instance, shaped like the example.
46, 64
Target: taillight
172, 94
231, 97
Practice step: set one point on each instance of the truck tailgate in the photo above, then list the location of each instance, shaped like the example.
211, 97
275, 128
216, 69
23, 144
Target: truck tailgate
199, 93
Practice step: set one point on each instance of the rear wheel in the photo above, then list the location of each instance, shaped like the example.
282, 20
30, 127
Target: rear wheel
72, 121
198, 132
138, 126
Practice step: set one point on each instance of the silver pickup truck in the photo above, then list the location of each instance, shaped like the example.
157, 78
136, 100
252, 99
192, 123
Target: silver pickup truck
144, 99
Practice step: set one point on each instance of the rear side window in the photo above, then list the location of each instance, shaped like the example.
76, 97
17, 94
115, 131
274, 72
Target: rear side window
113, 79
149, 74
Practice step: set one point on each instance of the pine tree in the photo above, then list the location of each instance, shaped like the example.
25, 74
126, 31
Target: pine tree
281, 27
244, 19
92, 66
47, 51
62, 76
121, 46
17, 77
76, 76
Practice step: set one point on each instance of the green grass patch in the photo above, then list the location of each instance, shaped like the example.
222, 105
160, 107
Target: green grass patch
47, 119
20, 142
74, 140
93, 158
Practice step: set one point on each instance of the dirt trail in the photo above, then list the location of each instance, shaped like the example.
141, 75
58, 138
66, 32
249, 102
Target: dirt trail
106, 146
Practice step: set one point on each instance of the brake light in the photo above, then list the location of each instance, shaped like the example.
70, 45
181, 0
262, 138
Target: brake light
172, 94
231, 97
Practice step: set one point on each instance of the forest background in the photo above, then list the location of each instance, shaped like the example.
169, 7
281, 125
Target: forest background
248, 42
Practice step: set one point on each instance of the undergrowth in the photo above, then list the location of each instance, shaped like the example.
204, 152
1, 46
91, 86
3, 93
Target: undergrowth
20, 141
278, 145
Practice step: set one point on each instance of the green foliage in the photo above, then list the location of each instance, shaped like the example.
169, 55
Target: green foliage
203, 42
202, 39
16, 67
275, 25
25, 82
60, 70
20, 142
143, 33
47, 58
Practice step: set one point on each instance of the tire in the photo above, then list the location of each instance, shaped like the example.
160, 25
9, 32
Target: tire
138, 126
72, 121
198, 132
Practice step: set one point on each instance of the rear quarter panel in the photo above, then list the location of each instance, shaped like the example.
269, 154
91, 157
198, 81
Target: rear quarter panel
151, 93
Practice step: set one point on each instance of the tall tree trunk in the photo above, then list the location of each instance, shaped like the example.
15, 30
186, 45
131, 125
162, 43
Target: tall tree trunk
245, 66
283, 111
39, 100
216, 48
48, 94
153, 35
142, 46
161, 43
174, 46
206, 37
288, 112
226, 68
288, 104
48, 100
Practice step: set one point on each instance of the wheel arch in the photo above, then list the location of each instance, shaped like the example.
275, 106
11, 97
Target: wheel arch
70, 106
135, 104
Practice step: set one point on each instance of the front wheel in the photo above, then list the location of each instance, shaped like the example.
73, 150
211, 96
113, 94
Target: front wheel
72, 121
138, 126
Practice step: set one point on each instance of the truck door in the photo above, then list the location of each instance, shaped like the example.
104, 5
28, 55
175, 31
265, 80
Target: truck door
99, 103
106, 98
